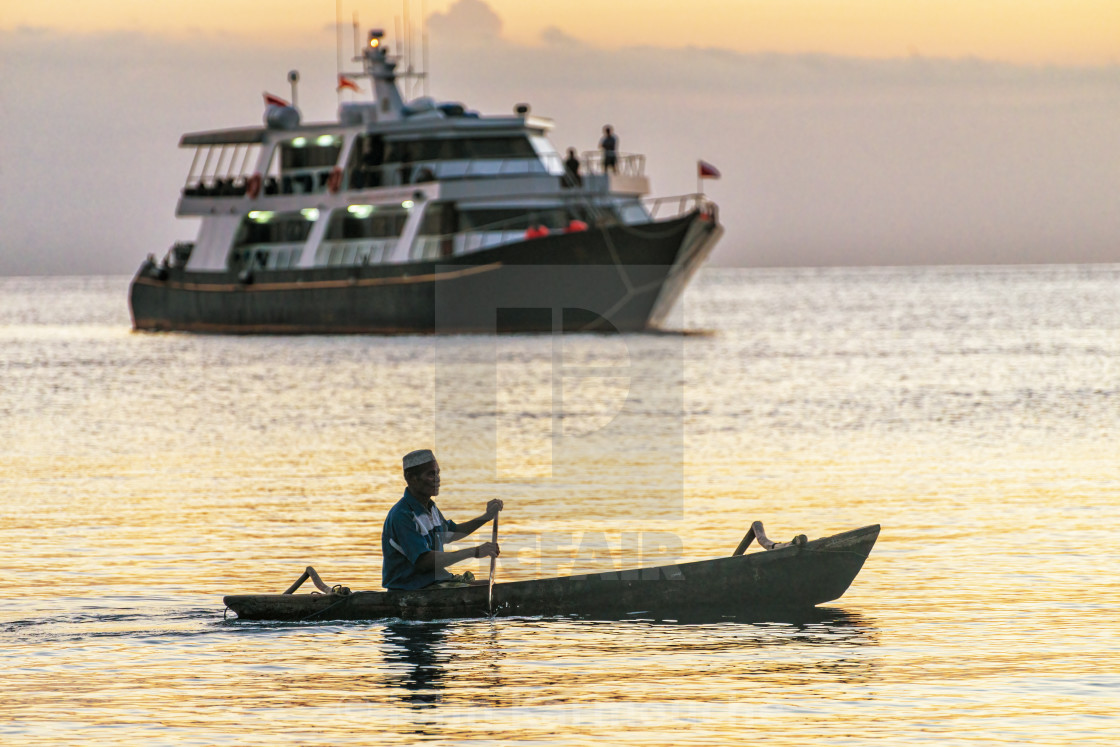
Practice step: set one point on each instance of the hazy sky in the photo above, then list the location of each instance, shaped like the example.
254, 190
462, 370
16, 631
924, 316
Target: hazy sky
1049, 31
854, 132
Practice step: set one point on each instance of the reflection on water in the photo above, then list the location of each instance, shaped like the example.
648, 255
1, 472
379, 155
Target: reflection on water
421, 646
971, 412
520, 662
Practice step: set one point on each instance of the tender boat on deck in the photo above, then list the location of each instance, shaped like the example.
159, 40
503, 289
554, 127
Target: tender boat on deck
788, 578
416, 218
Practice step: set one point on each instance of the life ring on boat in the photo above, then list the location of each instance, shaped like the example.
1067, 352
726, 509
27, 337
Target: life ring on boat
334, 181
253, 186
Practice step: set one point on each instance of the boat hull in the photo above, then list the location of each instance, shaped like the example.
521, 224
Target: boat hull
620, 278
790, 579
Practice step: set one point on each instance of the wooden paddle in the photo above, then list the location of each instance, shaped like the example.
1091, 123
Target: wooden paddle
493, 566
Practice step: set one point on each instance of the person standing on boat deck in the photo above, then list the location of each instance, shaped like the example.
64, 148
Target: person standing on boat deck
571, 170
415, 530
609, 145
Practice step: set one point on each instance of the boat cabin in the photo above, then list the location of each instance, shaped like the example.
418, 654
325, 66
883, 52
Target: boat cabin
391, 183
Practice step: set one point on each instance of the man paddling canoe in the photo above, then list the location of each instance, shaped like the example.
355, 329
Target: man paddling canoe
415, 530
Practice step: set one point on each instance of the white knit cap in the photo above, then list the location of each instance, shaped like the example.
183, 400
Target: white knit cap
418, 457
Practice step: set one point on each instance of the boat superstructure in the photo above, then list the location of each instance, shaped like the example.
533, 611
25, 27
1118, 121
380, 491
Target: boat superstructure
416, 217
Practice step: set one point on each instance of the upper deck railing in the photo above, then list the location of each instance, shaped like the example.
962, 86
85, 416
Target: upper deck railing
224, 172
628, 164
667, 208
221, 169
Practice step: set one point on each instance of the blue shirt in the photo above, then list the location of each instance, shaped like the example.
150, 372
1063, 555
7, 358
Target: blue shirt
410, 531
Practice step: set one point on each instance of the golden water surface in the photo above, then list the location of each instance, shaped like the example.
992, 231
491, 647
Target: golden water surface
974, 413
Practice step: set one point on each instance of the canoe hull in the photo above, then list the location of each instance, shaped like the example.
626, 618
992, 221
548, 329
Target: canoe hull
790, 579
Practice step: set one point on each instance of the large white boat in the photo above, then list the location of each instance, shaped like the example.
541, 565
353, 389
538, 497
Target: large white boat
422, 217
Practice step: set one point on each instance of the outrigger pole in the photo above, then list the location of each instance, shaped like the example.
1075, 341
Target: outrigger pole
309, 573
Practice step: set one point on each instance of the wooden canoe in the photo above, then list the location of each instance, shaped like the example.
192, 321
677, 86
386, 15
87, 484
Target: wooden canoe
791, 577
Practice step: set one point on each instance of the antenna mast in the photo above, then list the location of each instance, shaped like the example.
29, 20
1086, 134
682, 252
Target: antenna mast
424, 40
407, 34
338, 46
356, 58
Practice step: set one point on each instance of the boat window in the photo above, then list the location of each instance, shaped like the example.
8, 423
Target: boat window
279, 228
452, 150
458, 149
282, 258
501, 147
309, 153
396, 151
366, 158
440, 219
429, 150
366, 222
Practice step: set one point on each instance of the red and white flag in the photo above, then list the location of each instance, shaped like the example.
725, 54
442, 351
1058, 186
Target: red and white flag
705, 170
347, 82
271, 100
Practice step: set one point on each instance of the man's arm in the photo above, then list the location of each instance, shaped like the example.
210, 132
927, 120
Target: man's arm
434, 560
467, 528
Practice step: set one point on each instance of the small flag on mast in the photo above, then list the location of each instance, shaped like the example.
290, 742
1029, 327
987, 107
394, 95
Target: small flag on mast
347, 82
271, 100
705, 170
